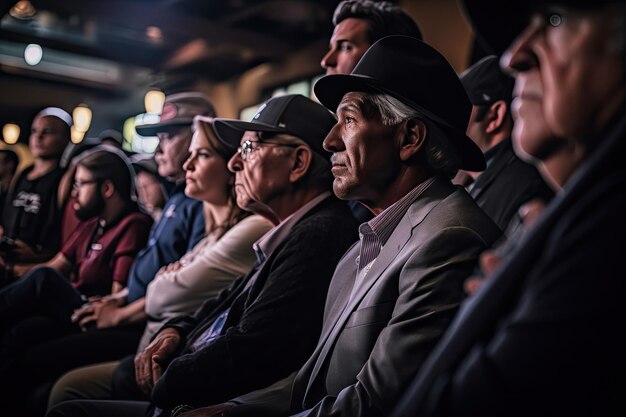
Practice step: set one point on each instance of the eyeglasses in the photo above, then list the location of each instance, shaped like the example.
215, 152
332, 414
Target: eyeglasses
78, 184
249, 146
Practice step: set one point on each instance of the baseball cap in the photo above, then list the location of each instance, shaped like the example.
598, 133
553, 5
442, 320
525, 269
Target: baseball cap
485, 82
292, 114
178, 111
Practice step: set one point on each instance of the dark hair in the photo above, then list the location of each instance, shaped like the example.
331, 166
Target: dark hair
112, 166
11, 158
384, 18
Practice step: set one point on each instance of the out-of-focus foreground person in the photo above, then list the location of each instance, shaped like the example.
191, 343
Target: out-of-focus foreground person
544, 336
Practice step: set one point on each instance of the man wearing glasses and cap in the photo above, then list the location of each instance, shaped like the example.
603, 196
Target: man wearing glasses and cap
265, 325
545, 335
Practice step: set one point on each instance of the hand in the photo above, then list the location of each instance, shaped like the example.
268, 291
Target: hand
101, 313
150, 363
489, 261
22, 250
220, 410
174, 266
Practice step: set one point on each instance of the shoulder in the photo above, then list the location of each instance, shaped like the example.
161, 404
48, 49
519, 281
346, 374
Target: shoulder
456, 210
246, 232
137, 218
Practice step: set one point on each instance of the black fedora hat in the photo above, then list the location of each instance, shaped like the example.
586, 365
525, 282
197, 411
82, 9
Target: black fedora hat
293, 114
497, 23
420, 77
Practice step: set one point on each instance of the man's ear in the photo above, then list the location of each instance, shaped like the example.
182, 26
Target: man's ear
302, 160
107, 188
413, 137
496, 116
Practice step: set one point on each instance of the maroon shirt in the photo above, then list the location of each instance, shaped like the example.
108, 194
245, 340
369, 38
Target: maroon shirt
106, 255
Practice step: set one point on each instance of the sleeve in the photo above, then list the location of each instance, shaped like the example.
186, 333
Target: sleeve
560, 345
430, 286
134, 239
277, 330
210, 268
185, 324
78, 236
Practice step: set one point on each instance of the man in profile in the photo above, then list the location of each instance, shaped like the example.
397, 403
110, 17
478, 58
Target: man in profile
358, 24
545, 335
508, 182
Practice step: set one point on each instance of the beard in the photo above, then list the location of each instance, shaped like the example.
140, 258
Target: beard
94, 208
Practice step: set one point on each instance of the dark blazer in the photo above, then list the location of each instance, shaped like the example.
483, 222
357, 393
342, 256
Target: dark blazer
272, 325
374, 342
546, 335
506, 184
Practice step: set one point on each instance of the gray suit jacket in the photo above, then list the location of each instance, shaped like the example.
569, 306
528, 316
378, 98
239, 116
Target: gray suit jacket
376, 336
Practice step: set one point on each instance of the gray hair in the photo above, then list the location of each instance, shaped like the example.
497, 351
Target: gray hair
319, 172
441, 155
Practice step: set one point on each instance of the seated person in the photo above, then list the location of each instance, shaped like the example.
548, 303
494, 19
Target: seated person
31, 216
100, 252
264, 325
38, 306
508, 182
179, 229
180, 288
151, 187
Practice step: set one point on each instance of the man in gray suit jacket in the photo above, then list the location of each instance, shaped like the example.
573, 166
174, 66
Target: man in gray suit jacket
393, 293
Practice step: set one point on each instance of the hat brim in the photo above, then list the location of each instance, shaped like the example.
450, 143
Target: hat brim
229, 131
497, 23
153, 129
331, 89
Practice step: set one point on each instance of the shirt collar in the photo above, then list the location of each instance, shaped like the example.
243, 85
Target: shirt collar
384, 224
275, 236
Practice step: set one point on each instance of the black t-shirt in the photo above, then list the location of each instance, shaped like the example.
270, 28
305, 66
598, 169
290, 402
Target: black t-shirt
31, 212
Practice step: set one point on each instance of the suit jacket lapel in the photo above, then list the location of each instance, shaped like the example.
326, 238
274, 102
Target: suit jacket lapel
398, 239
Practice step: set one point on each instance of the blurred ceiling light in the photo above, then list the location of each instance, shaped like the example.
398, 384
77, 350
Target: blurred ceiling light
154, 33
23, 9
82, 118
33, 54
154, 100
10, 133
75, 135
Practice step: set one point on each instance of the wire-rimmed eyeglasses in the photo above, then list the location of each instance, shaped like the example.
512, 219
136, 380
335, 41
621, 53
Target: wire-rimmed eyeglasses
248, 146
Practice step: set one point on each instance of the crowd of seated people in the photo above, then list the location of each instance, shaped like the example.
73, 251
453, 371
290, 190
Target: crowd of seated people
417, 243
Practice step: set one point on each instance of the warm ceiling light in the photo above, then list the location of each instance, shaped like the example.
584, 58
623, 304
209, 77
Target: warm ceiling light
82, 118
10, 133
23, 9
154, 100
33, 54
75, 135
